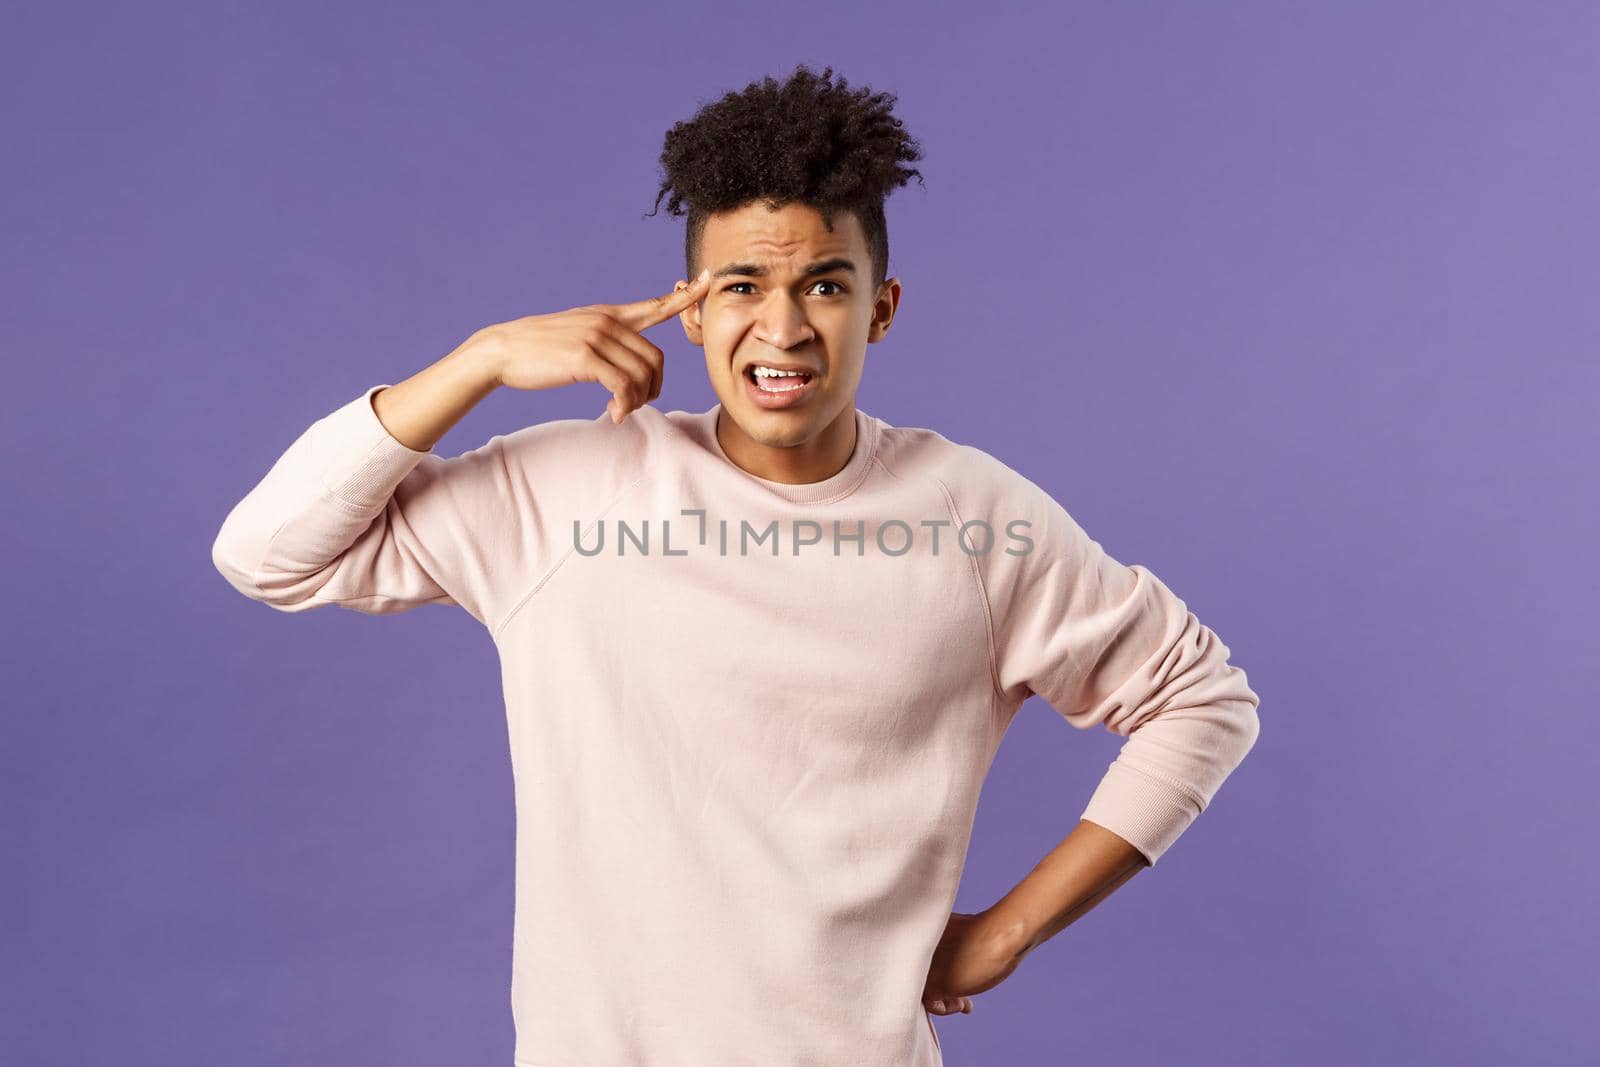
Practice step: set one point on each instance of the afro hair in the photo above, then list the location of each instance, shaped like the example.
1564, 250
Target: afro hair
807, 140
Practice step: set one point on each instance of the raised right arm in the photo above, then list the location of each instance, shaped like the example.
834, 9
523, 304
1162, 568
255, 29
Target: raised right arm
359, 513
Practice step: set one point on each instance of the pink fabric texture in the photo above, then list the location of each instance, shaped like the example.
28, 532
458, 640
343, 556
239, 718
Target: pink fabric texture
748, 733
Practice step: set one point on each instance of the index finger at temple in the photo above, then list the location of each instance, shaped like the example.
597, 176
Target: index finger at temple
643, 314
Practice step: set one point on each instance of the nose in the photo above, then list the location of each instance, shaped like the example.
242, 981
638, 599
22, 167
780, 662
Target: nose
781, 322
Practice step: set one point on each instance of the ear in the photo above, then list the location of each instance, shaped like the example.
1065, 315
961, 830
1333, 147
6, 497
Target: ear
883, 309
690, 317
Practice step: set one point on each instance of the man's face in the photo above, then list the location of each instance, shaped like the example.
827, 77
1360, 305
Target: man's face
762, 308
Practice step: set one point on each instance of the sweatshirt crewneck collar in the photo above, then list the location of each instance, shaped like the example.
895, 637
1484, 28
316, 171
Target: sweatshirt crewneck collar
839, 485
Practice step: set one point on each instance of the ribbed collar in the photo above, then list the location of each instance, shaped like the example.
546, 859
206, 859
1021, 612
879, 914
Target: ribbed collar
840, 485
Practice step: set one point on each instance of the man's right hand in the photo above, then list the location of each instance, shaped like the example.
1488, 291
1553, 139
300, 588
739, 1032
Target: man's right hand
594, 343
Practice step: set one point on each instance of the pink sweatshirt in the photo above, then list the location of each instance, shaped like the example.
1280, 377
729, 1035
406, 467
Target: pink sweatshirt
748, 733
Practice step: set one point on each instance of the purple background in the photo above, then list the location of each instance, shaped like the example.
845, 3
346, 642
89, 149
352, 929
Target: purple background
1293, 304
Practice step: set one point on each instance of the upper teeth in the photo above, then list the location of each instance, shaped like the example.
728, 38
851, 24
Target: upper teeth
768, 372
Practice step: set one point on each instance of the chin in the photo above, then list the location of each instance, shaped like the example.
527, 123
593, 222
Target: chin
775, 429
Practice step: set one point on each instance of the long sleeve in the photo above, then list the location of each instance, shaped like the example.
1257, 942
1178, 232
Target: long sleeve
1108, 644
350, 516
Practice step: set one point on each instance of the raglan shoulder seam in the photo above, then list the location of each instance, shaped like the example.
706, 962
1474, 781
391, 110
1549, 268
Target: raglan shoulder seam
977, 573
549, 572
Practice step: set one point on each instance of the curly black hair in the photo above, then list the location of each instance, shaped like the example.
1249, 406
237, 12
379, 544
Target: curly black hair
807, 140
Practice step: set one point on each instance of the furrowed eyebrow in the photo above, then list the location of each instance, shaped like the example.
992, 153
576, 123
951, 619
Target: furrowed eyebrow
755, 270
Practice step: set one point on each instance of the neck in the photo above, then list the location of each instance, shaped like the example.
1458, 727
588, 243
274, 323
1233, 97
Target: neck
812, 460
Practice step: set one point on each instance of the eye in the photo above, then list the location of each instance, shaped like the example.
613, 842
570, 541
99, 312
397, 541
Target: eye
841, 289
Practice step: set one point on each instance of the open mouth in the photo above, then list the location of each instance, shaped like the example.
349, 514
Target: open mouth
772, 390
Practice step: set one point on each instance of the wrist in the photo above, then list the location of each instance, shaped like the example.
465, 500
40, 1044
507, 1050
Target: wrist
483, 357
1005, 935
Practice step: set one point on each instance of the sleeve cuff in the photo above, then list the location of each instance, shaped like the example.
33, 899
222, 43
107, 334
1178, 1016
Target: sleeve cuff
364, 461
1144, 811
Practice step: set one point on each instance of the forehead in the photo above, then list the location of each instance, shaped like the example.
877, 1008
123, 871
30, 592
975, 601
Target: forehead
788, 237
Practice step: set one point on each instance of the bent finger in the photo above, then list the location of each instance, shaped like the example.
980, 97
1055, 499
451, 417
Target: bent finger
641, 347
597, 368
634, 374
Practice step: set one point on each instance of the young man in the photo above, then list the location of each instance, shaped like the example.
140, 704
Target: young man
757, 659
